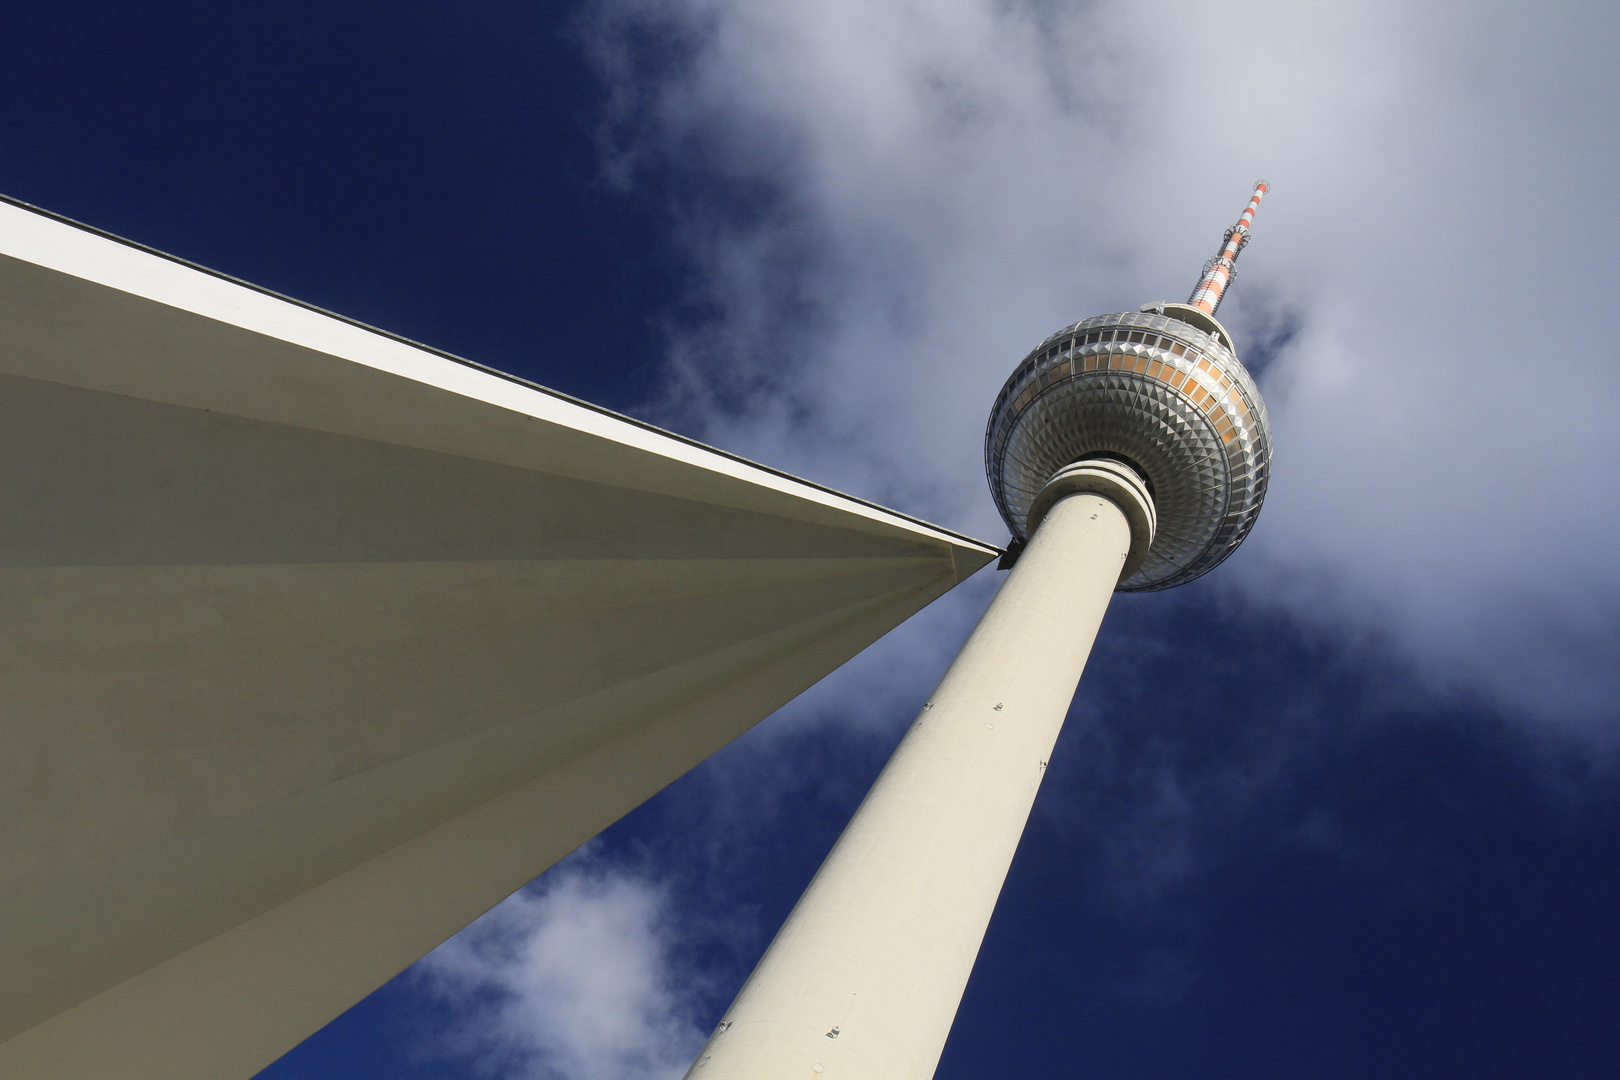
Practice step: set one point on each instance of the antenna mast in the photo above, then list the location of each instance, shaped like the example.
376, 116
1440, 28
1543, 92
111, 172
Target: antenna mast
1221, 271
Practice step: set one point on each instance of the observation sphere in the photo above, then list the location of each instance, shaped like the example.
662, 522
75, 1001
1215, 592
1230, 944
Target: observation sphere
1160, 390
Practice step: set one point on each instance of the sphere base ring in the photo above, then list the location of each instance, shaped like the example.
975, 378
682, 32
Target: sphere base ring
1119, 484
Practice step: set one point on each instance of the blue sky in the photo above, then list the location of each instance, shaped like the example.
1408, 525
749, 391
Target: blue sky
1348, 806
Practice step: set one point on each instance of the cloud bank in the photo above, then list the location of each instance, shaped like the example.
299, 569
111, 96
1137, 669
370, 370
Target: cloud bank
888, 204
571, 979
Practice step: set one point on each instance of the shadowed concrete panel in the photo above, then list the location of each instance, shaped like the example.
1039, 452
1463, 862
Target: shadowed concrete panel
316, 644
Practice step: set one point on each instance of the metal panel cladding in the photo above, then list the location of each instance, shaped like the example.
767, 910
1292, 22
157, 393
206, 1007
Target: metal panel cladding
1159, 394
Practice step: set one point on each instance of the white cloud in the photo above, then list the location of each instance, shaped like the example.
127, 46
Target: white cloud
572, 978
893, 201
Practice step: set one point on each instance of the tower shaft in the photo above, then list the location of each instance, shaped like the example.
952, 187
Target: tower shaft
864, 979
1099, 425
1219, 271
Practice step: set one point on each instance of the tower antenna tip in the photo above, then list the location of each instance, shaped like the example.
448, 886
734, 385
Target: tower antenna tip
1221, 271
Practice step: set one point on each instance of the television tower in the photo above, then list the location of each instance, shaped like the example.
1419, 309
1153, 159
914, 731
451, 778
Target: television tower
1128, 451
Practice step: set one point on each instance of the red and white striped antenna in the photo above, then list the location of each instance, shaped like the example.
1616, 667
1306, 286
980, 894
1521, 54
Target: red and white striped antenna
1220, 271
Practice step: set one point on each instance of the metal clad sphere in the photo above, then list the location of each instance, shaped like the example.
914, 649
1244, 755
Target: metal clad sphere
1164, 396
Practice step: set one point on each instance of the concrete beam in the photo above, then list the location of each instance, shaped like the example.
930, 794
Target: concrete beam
318, 643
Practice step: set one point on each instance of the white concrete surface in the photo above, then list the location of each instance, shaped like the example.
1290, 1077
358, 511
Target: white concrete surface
864, 979
315, 644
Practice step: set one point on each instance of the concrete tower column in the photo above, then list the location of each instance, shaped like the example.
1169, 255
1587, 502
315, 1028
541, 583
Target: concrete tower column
864, 979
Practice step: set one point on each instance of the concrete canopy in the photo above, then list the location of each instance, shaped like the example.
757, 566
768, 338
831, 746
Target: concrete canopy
317, 643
